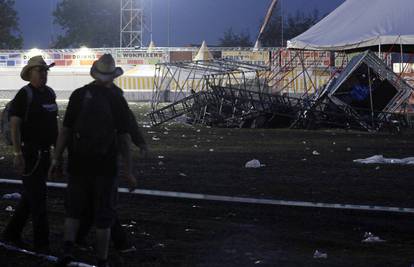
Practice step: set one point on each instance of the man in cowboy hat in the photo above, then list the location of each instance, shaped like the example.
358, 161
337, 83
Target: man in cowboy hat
34, 129
95, 130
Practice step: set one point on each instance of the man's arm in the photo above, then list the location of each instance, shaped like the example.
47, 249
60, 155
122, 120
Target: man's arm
61, 143
15, 126
125, 152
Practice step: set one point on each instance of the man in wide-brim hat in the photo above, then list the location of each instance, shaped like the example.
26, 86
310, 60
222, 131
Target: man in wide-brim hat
95, 130
33, 124
34, 62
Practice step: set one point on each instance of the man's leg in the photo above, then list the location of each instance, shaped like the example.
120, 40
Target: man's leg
38, 204
104, 201
71, 229
12, 232
85, 225
16, 224
76, 196
103, 236
69, 235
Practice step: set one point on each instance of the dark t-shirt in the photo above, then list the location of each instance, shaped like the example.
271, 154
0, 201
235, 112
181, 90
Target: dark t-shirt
107, 165
40, 129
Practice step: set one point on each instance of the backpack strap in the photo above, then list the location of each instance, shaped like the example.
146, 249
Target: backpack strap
51, 92
29, 99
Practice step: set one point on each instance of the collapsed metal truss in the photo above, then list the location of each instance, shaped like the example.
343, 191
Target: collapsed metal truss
234, 94
174, 81
382, 106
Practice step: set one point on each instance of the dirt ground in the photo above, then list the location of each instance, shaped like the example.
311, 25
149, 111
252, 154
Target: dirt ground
182, 232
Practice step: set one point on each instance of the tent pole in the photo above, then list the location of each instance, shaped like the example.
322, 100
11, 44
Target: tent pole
401, 57
370, 96
379, 49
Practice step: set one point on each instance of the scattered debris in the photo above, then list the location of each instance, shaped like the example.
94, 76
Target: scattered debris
371, 238
254, 163
9, 208
320, 255
12, 196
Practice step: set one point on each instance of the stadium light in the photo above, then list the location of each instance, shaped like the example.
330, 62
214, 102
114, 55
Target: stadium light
84, 50
34, 52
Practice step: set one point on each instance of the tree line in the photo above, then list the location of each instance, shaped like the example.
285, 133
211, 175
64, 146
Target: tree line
277, 32
82, 24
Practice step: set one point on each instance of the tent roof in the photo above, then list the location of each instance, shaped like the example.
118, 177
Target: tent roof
360, 24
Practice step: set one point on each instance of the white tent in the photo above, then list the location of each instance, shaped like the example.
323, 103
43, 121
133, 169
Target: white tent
361, 23
151, 47
203, 53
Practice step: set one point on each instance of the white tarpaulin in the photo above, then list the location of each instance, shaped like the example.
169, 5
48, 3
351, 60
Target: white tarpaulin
361, 23
379, 159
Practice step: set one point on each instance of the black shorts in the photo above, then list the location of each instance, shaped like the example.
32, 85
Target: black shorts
92, 193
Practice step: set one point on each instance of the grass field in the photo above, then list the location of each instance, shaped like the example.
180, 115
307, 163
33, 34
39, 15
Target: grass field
182, 232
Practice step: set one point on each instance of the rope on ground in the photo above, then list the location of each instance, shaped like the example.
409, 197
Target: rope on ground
42, 256
246, 200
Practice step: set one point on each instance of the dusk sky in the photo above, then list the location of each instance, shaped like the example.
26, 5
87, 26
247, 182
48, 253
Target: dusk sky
191, 20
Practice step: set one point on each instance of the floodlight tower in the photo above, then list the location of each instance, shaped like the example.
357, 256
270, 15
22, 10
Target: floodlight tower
132, 23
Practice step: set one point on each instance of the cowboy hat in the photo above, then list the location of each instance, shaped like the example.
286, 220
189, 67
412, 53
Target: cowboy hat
104, 69
36, 61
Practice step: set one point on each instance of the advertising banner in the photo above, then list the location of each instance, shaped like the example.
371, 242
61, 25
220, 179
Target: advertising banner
10, 59
251, 57
127, 57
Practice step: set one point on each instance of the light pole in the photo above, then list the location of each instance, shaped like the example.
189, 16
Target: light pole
168, 22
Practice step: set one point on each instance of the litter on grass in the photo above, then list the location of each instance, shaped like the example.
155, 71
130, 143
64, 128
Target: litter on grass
254, 163
12, 196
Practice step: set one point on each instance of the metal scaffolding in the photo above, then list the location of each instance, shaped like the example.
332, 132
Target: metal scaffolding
235, 94
174, 81
132, 23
